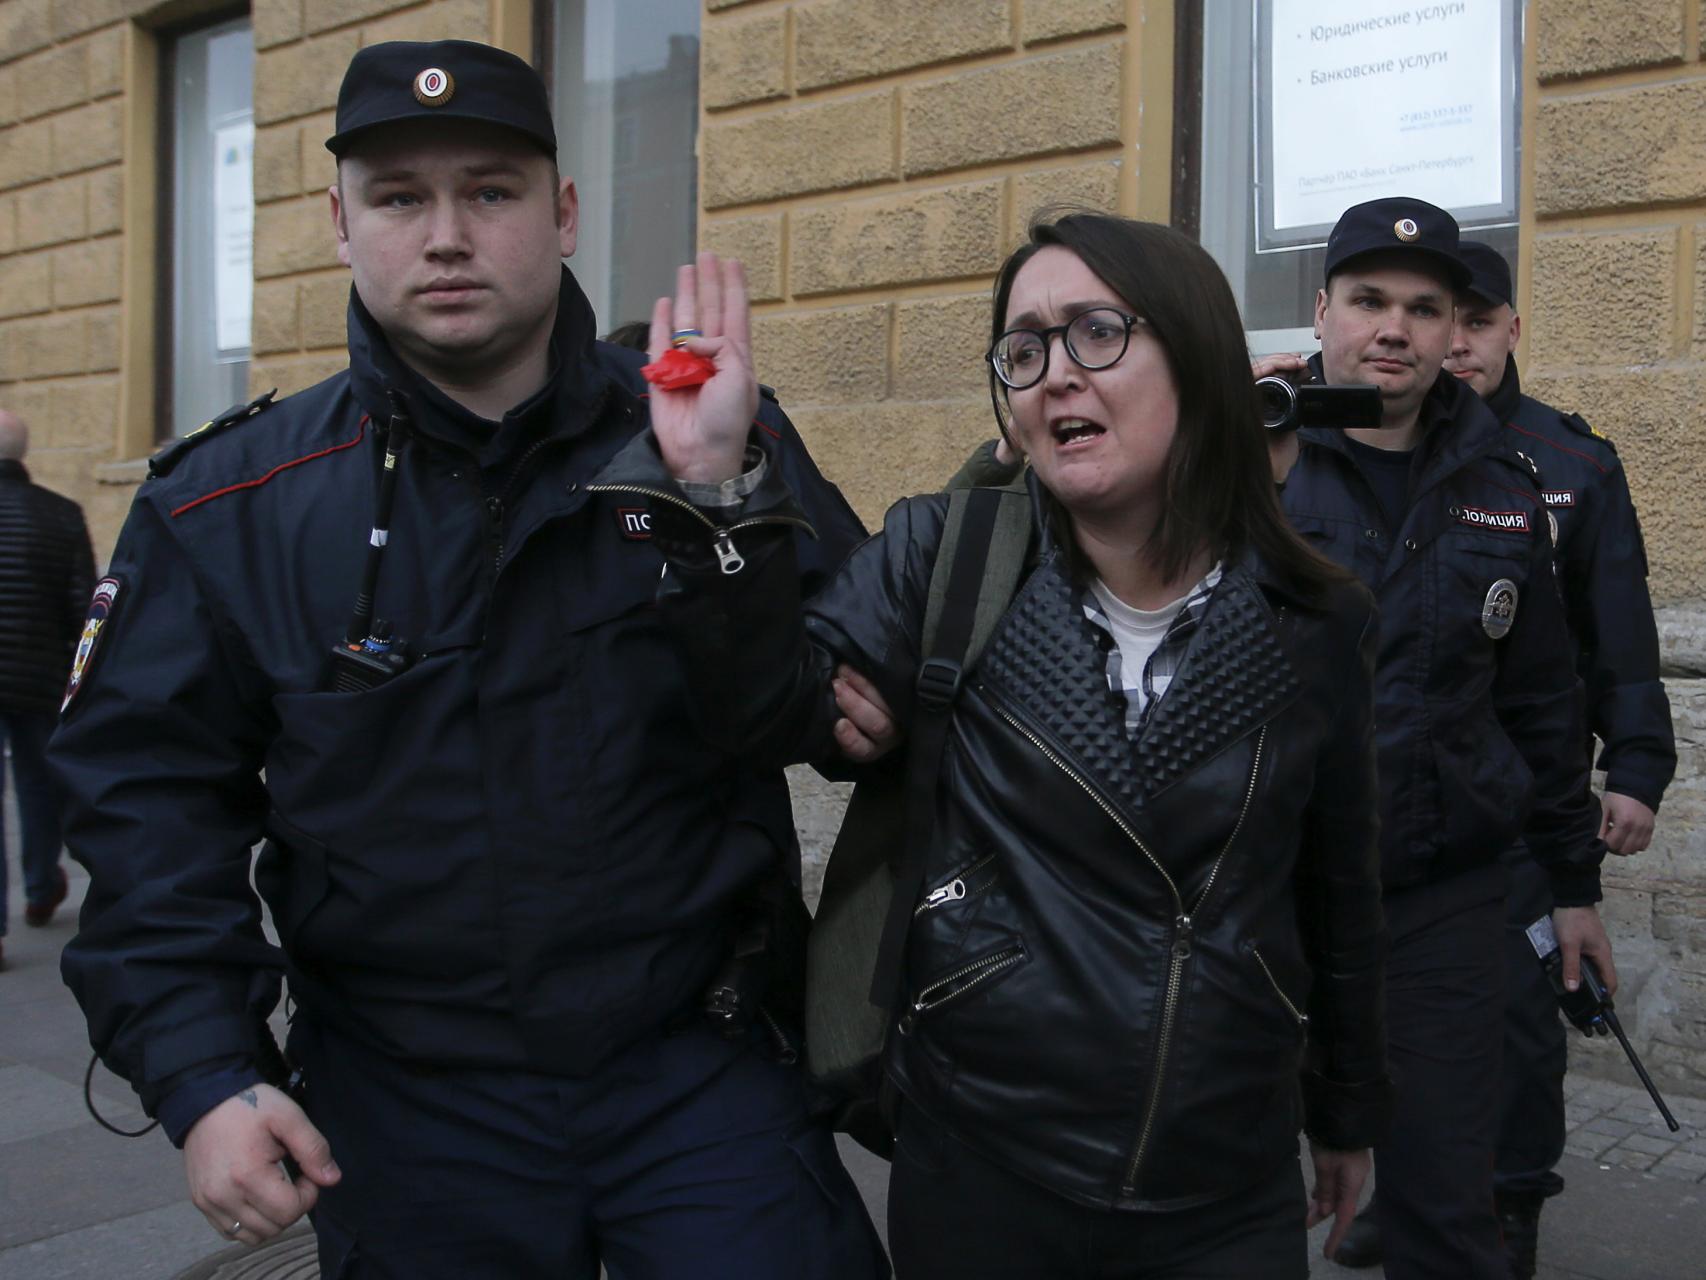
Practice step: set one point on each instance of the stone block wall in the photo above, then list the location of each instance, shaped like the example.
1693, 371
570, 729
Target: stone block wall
1616, 303
873, 161
61, 185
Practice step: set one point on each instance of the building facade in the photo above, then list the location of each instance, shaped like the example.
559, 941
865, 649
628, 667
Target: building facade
872, 161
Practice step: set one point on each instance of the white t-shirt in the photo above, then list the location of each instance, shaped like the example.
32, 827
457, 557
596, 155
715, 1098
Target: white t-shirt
1138, 632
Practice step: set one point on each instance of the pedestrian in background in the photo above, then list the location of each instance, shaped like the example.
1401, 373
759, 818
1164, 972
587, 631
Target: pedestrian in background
46, 569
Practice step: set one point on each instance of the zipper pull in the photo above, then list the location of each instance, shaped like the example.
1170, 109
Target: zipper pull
952, 892
728, 559
1182, 938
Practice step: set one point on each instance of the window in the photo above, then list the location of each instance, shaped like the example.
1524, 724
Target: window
1306, 107
208, 222
626, 81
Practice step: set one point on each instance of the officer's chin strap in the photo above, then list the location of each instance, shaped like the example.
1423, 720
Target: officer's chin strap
89, 1102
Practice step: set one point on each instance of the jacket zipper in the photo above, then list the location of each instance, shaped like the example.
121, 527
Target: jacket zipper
1182, 925
1301, 1018
728, 559
984, 969
496, 502
953, 891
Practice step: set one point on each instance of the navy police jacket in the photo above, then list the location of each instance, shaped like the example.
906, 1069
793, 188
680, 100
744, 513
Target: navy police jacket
1477, 707
1602, 568
519, 853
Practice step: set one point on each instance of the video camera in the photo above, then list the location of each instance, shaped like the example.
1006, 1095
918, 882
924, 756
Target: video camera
1288, 405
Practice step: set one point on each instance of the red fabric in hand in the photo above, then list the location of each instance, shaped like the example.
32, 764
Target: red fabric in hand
677, 368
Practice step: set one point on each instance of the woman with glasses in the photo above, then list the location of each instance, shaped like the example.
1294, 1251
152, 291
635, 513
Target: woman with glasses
1148, 947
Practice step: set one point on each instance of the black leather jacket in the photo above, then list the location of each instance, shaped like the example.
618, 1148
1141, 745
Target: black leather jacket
1119, 1004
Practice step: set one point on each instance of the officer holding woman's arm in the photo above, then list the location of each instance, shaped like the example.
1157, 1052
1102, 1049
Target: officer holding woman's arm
504, 868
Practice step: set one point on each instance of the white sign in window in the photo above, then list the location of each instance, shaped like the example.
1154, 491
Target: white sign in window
1360, 101
233, 235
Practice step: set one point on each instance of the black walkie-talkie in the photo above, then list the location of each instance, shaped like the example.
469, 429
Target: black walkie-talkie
369, 653
1589, 1006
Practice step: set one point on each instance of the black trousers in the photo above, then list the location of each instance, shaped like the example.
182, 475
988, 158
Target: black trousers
1531, 1104
1445, 1022
686, 1157
954, 1215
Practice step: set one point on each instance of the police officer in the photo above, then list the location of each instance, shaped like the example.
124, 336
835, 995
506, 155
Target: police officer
1602, 568
395, 625
1477, 719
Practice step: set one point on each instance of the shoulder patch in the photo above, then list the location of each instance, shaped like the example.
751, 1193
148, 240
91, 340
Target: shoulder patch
100, 610
161, 463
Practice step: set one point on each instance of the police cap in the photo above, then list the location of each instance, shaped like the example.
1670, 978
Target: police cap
1489, 273
455, 79
1397, 224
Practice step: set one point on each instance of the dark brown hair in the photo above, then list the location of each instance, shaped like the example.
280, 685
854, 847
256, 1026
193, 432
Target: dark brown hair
1218, 491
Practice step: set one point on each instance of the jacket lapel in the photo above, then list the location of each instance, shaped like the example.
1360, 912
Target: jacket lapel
1235, 676
1044, 661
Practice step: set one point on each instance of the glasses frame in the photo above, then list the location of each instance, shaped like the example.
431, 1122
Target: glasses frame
1046, 336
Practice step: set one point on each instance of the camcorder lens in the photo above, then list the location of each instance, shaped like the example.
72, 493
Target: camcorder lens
1279, 403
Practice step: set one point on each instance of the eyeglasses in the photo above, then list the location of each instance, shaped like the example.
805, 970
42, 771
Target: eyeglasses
1094, 339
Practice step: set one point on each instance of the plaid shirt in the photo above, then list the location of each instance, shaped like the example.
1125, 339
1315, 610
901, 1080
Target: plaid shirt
1139, 696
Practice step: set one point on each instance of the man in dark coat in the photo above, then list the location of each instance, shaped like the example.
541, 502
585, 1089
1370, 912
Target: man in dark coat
46, 569
396, 625
1602, 569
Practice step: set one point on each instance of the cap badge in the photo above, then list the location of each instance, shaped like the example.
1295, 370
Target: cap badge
1405, 228
1499, 611
433, 87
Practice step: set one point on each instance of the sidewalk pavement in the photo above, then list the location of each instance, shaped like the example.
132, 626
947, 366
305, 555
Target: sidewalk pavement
78, 1203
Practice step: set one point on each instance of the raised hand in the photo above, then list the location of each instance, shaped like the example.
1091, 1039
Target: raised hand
701, 431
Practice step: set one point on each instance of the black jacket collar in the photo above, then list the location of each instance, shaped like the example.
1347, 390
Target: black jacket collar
13, 469
574, 385
1503, 402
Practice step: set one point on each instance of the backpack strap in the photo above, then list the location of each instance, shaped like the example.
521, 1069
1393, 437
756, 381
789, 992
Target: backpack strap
978, 565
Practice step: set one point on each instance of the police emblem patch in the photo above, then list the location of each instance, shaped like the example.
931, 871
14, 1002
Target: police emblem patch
433, 87
1406, 229
1499, 610
100, 610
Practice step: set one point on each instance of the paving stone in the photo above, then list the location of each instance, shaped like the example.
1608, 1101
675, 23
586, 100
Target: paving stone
1623, 1157
1652, 1146
1609, 1126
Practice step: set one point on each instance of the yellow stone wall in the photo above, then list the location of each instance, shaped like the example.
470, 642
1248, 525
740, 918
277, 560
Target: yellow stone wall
61, 215
874, 160
1615, 251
